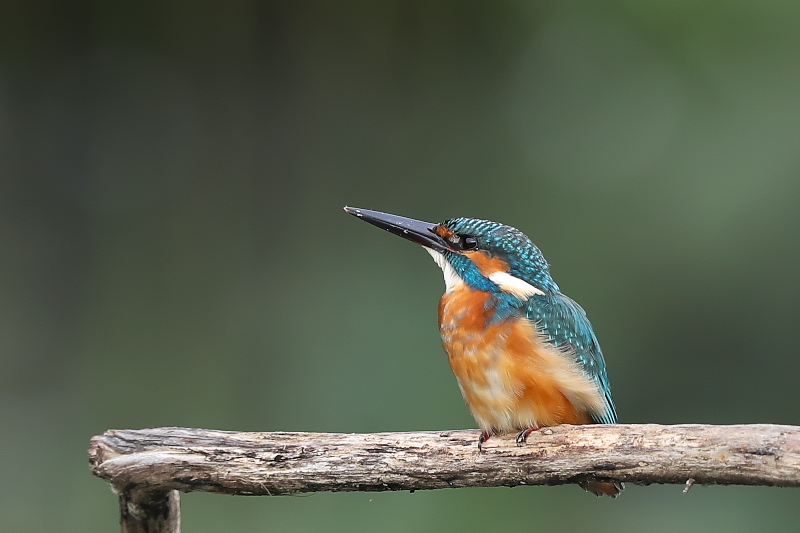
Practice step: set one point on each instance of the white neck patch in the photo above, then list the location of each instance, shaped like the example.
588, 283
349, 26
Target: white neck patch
514, 286
452, 280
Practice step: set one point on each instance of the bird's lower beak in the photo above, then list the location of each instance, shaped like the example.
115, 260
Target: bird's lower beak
417, 231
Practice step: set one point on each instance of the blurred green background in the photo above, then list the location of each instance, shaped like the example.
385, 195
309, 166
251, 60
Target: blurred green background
174, 250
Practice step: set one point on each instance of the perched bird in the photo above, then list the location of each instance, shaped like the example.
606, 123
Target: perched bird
525, 355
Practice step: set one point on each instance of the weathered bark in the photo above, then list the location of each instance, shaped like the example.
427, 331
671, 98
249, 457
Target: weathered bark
143, 511
154, 461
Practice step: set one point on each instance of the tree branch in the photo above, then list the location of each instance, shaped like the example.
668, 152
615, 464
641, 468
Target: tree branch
143, 463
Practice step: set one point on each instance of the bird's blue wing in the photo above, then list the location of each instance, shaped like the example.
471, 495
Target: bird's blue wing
564, 324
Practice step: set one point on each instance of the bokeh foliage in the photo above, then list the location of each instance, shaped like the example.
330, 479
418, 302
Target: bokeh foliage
174, 251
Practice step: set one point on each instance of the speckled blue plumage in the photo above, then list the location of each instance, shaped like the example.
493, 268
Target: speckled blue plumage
564, 323
561, 321
523, 257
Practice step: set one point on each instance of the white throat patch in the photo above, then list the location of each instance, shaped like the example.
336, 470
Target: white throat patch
451, 279
507, 283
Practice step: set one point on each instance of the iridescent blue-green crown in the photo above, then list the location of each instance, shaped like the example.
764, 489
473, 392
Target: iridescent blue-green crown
524, 258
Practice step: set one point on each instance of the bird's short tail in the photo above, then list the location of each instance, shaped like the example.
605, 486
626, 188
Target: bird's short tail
600, 488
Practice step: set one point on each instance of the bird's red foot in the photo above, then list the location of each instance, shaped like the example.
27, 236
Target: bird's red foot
522, 436
483, 438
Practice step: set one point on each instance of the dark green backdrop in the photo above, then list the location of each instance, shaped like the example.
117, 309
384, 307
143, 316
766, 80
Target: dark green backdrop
173, 249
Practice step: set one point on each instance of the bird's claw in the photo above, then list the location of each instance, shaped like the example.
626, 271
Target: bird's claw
522, 436
483, 438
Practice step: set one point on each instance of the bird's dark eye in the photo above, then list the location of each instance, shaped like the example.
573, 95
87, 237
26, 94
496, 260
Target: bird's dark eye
462, 242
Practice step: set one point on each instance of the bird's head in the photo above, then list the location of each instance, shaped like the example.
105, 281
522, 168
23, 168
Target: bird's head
485, 255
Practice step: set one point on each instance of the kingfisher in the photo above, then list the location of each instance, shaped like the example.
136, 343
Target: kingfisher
525, 355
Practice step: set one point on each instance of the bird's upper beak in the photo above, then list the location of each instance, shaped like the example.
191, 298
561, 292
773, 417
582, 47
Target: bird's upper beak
423, 233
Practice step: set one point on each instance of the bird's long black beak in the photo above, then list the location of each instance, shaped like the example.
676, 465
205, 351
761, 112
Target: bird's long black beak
414, 230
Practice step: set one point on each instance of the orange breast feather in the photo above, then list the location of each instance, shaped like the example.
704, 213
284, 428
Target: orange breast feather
510, 378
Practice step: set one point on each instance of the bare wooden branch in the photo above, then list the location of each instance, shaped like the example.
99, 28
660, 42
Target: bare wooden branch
149, 511
156, 461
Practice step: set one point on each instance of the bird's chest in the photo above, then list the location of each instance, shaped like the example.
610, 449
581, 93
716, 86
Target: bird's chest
509, 378
481, 354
